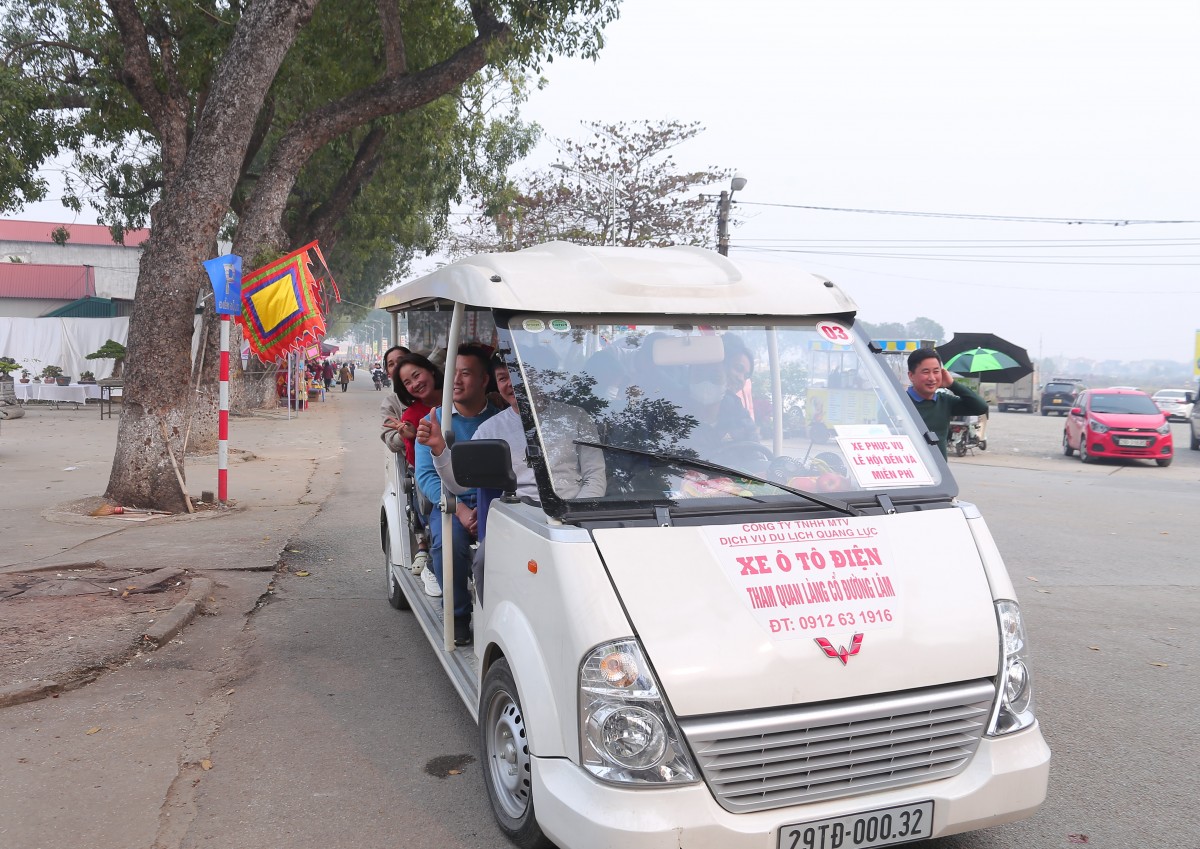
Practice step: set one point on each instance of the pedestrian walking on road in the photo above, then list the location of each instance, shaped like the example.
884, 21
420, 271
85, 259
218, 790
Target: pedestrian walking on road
344, 377
327, 374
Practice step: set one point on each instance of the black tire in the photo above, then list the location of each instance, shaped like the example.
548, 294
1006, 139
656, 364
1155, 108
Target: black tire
1045, 412
1084, 456
1195, 438
1067, 449
1164, 462
960, 447
504, 754
983, 445
396, 597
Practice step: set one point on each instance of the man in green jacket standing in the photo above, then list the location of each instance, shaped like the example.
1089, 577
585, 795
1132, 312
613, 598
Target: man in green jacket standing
938, 396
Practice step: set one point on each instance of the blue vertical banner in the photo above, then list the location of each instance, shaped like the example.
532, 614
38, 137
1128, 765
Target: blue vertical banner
225, 274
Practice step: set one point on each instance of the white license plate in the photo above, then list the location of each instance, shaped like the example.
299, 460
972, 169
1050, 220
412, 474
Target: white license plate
882, 827
1131, 443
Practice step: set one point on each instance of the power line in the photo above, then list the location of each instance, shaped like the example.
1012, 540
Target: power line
967, 243
1040, 288
1113, 222
1147, 262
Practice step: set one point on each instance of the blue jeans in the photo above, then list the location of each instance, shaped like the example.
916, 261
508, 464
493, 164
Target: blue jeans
462, 560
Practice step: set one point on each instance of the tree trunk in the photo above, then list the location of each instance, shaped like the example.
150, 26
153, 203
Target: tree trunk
185, 224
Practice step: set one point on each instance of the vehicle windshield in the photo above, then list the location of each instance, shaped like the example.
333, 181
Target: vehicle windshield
1130, 404
804, 405
1060, 387
1170, 395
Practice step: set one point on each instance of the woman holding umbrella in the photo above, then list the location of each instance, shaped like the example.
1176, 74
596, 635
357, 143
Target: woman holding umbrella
938, 396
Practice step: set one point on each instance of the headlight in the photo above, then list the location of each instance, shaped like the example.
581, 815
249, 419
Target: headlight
1165, 427
1097, 427
1014, 702
627, 734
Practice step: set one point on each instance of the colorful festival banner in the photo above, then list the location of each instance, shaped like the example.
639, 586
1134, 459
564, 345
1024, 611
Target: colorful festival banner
283, 305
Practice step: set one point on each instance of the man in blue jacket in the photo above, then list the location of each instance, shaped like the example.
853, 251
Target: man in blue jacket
938, 396
472, 381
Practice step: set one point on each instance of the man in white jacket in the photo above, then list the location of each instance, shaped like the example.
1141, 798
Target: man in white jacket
575, 471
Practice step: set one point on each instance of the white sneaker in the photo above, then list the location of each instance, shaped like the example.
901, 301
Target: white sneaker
432, 588
420, 562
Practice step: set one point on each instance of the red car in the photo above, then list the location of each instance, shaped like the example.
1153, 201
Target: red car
1118, 423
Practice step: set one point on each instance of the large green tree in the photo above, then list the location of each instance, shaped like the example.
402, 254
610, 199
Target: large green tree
273, 115
619, 186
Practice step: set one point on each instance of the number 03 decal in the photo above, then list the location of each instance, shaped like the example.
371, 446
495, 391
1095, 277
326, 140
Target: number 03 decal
833, 332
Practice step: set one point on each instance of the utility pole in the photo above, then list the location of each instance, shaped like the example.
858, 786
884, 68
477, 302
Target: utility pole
723, 204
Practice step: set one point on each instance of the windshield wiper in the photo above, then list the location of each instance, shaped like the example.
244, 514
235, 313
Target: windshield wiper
696, 463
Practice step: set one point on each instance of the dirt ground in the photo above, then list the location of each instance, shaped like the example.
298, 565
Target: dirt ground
64, 625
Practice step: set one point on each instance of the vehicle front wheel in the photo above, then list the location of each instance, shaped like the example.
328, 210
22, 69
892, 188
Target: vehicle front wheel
1045, 412
507, 765
1165, 461
1084, 456
1067, 449
1195, 438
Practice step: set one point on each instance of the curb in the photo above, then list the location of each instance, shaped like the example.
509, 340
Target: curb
166, 627
16, 694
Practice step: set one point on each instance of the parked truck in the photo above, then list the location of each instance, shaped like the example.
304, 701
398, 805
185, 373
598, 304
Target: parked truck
1020, 396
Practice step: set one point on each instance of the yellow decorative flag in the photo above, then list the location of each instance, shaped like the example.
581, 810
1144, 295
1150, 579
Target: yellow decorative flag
281, 305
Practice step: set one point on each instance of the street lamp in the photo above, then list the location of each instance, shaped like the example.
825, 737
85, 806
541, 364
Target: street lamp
735, 185
376, 325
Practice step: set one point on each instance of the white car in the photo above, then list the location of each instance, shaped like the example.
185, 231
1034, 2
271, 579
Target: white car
1176, 404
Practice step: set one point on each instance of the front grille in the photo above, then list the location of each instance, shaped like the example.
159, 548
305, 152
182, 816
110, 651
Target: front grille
786, 756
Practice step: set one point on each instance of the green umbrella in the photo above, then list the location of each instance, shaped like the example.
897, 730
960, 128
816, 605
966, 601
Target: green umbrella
979, 360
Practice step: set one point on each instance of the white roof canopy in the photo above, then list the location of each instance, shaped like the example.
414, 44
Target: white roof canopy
563, 277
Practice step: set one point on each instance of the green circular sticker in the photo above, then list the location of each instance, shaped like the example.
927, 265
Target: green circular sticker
560, 325
533, 325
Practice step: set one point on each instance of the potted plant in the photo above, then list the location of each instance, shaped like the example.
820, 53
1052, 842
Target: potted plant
24, 375
7, 366
50, 374
87, 377
110, 350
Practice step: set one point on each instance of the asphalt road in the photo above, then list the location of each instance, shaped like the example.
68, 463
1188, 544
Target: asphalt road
344, 732
1103, 563
325, 720
1104, 560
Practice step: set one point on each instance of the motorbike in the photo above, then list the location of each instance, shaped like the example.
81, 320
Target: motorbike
966, 433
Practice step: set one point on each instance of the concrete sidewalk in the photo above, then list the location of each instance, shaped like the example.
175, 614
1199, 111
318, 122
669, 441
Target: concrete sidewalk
65, 612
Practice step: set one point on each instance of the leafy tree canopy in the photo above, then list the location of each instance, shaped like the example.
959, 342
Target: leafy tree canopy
118, 90
620, 186
269, 119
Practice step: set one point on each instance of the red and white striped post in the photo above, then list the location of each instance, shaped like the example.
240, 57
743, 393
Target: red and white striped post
225, 274
223, 417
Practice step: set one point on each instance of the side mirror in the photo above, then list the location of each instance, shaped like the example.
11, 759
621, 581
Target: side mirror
1189, 397
1075, 411
484, 464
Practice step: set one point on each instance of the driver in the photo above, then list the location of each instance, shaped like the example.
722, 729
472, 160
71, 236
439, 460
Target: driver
719, 413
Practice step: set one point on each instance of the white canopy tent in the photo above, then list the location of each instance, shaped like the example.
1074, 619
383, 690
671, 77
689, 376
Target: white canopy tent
65, 342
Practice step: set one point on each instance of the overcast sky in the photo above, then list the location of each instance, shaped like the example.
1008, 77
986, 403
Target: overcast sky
1044, 109
1058, 109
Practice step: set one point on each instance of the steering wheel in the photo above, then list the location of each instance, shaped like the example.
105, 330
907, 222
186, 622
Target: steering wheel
748, 454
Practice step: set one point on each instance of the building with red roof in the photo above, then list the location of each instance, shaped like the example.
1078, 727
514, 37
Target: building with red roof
47, 268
